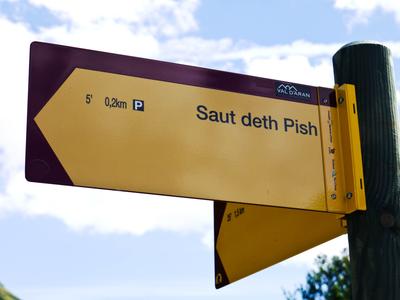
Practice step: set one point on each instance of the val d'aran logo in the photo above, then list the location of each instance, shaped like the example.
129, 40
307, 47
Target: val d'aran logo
289, 90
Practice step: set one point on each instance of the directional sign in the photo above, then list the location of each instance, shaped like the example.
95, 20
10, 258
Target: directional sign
249, 238
116, 122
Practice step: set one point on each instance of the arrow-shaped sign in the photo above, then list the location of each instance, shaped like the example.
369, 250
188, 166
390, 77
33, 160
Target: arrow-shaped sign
184, 142
249, 238
265, 142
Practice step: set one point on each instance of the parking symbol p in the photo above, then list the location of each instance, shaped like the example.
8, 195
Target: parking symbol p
138, 105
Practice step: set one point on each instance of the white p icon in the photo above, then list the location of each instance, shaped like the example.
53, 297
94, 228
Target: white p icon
138, 105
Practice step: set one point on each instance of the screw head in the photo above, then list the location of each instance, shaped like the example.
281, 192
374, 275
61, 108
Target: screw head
387, 220
349, 195
333, 196
218, 278
341, 100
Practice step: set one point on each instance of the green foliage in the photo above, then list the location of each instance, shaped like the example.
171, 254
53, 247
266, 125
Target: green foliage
5, 295
329, 281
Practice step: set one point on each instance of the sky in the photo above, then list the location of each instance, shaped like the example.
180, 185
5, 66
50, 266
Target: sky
72, 243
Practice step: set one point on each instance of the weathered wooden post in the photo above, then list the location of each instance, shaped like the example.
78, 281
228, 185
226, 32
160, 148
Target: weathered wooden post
374, 235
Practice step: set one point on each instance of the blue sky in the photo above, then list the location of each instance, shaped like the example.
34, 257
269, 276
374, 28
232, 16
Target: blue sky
72, 243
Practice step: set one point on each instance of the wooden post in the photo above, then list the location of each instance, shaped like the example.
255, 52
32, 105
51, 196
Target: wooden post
374, 235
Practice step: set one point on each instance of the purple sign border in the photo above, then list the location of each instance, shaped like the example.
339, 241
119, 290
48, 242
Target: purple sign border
50, 65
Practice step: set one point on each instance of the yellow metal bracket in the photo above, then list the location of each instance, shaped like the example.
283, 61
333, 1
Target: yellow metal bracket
350, 148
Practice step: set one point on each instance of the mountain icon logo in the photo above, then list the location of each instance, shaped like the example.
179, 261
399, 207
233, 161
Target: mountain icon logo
288, 87
290, 90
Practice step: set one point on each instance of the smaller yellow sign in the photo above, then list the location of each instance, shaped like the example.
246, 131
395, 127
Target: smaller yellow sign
250, 238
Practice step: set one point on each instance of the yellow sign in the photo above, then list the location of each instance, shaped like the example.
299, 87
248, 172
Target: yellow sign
136, 134
251, 238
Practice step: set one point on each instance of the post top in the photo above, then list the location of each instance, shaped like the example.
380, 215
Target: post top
365, 44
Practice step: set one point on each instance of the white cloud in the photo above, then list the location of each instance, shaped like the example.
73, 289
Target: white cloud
167, 17
298, 48
108, 36
14, 82
103, 211
122, 26
293, 68
363, 9
394, 47
196, 50
300, 61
